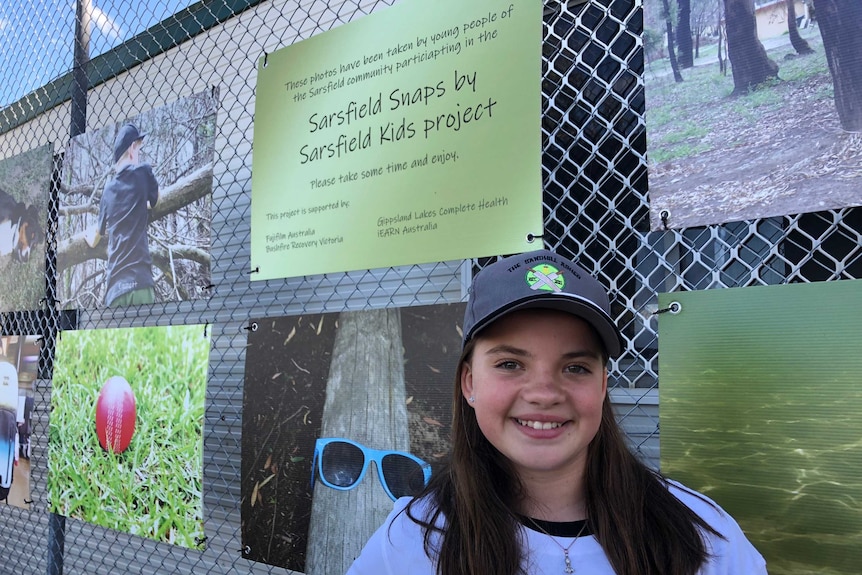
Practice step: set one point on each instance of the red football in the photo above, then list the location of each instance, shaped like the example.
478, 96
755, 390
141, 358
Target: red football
115, 414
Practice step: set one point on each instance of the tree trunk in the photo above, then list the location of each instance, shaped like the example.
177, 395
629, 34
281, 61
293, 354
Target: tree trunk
366, 401
748, 60
671, 53
798, 42
683, 34
722, 63
840, 22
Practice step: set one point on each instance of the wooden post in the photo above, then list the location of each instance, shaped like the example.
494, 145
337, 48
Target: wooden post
365, 402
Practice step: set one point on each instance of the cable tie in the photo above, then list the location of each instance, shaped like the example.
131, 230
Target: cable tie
674, 308
665, 216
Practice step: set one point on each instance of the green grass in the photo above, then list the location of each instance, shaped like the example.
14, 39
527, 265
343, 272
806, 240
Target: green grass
681, 143
687, 150
687, 133
154, 488
805, 67
762, 99
660, 116
764, 96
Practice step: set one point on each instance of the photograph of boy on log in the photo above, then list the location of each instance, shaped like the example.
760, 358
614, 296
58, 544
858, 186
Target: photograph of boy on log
135, 209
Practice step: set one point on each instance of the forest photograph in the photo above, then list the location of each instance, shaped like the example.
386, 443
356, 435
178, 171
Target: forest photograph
752, 108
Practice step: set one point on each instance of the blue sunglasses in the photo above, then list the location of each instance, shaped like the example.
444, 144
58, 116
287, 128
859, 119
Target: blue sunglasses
342, 464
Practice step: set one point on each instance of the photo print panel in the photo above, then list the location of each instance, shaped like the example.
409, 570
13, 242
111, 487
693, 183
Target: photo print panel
25, 181
135, 208
19, 366
126, 433
754, 112
327, 397
760, 402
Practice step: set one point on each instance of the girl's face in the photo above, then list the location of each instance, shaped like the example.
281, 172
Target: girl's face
539, 381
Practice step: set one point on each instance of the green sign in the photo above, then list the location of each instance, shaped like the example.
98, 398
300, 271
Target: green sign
760, 403
410, 135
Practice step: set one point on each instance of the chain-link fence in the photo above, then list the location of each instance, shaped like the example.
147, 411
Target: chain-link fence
144, 55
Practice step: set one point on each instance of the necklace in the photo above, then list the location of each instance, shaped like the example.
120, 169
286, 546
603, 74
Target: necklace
569, 568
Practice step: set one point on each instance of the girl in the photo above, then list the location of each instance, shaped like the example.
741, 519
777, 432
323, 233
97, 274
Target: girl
539, 480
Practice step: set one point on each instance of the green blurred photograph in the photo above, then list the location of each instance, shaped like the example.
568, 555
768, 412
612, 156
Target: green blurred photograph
760, 402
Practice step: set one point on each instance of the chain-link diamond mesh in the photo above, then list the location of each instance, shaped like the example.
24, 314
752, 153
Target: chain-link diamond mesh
147, 54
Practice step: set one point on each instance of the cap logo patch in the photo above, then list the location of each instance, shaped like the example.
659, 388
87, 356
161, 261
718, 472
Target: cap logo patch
545, 277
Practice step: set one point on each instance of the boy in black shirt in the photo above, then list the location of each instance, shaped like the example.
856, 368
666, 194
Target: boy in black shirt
124, 218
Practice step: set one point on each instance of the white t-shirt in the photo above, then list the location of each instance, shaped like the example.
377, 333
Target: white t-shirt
396, 548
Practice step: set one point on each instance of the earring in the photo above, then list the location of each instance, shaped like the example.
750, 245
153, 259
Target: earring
472, 399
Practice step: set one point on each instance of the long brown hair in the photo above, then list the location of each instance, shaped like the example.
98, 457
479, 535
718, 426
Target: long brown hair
642, 527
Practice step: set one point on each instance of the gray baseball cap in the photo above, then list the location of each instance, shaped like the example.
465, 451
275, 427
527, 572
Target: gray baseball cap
127, 134
540, 279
